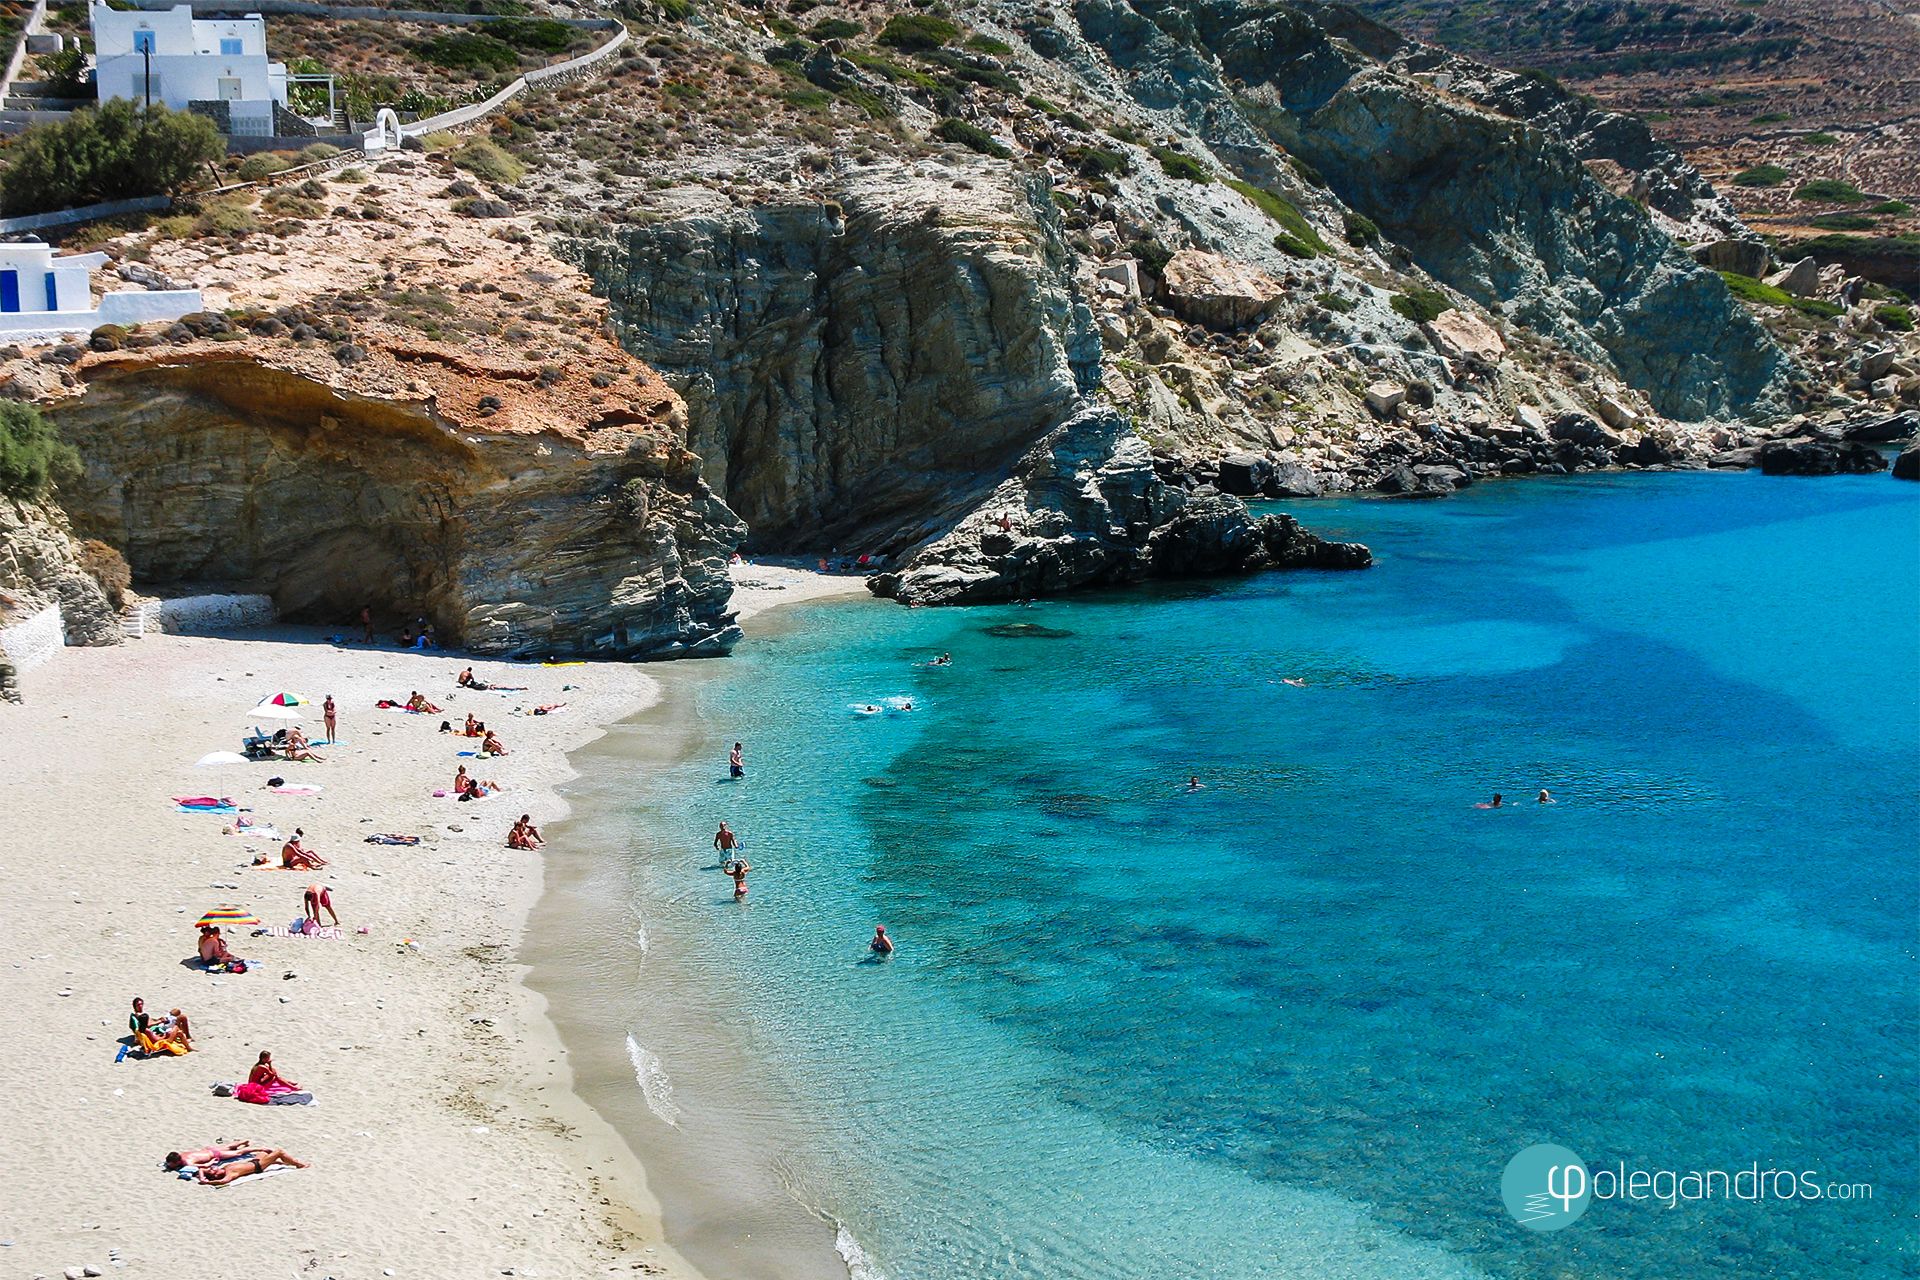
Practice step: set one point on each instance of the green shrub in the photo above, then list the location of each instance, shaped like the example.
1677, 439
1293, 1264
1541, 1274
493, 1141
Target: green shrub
987, 44
1761, 175
263, 165
1895, 317
1308, 174
1097, 162
1816, 307
318, 151
487, 160
1334, 302
1360, 229
1041, 105
541, 35
1302, 240
1891, 207
1421, 305
1843, 222
469, 51
65, 73
32, 455
114, 153
917, 31
1830, 190
1184, 167
1151, 254
1772, 117
1821, 140
1749, 289
970, 135
836, 29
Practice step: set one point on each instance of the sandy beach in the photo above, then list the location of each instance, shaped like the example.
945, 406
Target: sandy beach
445, 1138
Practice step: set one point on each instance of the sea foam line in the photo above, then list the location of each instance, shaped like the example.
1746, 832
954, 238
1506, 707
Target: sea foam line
859, 1265
651, 1075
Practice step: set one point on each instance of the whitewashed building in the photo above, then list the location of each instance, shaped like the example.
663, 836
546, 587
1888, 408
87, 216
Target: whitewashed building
43, 297
171, 57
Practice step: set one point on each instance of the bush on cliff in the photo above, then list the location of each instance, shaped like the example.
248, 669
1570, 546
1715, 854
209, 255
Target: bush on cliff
1761, 175
970, 135
487, 160
913, 31
1895, 317
1421, 305
117, 152
32, 455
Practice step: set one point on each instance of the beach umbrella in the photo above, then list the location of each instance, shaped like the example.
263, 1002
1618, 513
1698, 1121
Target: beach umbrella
221, 757
229, 915
284, 706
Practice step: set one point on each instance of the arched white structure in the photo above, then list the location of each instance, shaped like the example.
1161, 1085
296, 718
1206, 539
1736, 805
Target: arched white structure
386, 132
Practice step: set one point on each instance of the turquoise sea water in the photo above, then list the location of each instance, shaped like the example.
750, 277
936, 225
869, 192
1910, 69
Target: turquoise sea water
1296, 1023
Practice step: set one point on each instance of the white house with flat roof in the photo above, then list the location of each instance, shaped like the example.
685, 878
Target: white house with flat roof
170, 56
43, 297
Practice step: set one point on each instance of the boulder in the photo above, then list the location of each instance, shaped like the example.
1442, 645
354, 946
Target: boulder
1207, 289
1801, 279
1244, 474
1887, 388
1579, 429
1884, 429
1384, 397
1742, 257
1292, 480
1617, 415
1529, 418
1458, 335
1125, 274
1876, 364
1422, 481
1818, 458
1907, 465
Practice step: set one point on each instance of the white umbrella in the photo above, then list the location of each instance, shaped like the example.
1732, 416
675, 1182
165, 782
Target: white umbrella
275, 711
221, 757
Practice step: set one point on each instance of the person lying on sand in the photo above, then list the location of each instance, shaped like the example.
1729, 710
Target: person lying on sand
479, 789
417, 703
298, 748
491, 745
295, 856
316, 899
524, 834
547, 709
214, 1154
219, 1175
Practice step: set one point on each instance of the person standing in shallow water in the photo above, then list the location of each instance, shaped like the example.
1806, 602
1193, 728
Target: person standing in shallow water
736, 765
738, 869
881, 945
726, 842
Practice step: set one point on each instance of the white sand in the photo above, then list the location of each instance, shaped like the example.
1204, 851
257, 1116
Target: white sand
442, 1145
768, 584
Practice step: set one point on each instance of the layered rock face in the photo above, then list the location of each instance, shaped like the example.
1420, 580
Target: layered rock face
859, 374
1482, 197
40, 566
214, 470
1086, 507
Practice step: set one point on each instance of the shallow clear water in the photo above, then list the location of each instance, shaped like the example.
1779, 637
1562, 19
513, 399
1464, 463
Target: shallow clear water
1297, 1022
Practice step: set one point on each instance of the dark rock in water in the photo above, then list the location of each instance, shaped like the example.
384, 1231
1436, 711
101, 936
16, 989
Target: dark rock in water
1818, 458
1884, 429
1650, 450
1423, 481
1291, 480
1026, 631
1907, 465
1244, 474
1088, 507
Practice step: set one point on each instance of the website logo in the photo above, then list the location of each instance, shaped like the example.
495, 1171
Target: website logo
1546, 1187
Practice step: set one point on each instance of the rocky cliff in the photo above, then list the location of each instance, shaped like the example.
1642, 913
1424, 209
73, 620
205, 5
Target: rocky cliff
216, 468
43, 564
859, 370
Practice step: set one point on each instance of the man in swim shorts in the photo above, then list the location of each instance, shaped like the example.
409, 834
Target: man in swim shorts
736, 766
726, 842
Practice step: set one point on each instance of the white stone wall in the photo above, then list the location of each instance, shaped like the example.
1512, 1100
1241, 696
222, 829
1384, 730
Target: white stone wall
129, 307
30, 643
199, 615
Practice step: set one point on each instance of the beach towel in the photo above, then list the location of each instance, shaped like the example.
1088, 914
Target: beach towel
291, 1100
389, 838
204, 804
466, 753
299, 789
386, 704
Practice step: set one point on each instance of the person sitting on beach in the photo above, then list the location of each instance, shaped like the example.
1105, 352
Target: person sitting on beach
213, 947
406, 637
152, 1041
480, 789
175, 1161
298, 748
461, 782
295, 856
417, 703
221, 1173
473, 727
429, 638
268, 1077
524, 834
318, 898
466, 681
491, 745
881, 944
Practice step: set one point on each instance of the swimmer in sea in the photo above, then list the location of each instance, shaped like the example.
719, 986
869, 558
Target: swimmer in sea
1495, 802
1194, 783
944, 660
1546, 797
870, 708
1296, 683
881, 945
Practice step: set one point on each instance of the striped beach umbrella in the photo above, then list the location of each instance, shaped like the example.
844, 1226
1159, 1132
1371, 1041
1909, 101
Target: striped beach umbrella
284, 706
229, 915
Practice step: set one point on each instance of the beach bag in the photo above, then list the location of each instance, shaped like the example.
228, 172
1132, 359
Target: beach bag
254, 1093
237, 966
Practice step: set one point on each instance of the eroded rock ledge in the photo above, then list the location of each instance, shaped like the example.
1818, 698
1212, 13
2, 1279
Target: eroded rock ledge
1084, 508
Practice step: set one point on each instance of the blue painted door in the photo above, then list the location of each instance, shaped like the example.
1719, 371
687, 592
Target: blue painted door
9, 290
